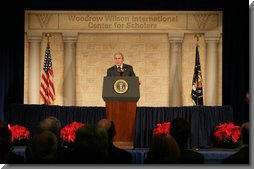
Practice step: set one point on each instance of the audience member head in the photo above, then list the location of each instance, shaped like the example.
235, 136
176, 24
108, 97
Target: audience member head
109, 127
52, 124
244, 133
5, 141
180, 129
164, 149
247, 98
44, 147
90, 145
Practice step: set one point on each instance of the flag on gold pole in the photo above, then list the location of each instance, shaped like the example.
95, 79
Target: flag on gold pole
47, 89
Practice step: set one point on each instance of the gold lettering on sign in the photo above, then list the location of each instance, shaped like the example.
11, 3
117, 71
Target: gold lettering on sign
43, 19
114, 21
201, 20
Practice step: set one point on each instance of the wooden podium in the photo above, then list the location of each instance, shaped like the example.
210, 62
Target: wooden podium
121, 95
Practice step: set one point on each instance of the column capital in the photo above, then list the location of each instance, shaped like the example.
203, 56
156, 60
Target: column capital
34, 37
70, 37
214, 37
175, 37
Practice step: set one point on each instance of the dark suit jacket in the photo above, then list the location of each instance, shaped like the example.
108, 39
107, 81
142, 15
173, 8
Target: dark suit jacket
159, 160
127, 71
118, 156
191, 157
240, 157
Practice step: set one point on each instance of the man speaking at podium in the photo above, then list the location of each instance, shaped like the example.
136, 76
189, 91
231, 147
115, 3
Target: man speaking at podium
120, 69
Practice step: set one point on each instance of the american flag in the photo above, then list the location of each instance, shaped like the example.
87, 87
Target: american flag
47, 91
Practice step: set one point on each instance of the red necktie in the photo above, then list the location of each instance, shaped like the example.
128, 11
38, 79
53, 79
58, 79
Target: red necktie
119, 71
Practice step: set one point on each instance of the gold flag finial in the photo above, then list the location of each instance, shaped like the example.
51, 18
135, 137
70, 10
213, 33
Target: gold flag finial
48, 35
197, 36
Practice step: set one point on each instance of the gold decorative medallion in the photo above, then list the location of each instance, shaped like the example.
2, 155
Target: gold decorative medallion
120, 86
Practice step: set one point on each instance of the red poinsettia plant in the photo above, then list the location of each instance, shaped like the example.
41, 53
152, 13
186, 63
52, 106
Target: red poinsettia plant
68, 133
162, 128
18, 132
227, 134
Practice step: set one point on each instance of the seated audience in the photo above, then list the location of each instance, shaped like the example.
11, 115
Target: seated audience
180, 129
44, 148
246, 107
115, 154
242, 156
52, 124
163, 150
90, 146
5, 143
6, 154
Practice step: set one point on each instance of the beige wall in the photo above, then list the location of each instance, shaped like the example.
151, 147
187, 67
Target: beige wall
220, 72
26, 70
147, 53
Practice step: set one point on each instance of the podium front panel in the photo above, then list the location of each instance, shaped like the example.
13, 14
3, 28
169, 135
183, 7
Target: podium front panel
109, 93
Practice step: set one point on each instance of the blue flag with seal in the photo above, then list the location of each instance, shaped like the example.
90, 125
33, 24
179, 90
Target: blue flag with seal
197, 89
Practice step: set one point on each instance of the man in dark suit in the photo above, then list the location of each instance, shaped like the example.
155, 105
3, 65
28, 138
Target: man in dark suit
180, 129
90, 146
242, 156
5, 142
120, 69
115, 155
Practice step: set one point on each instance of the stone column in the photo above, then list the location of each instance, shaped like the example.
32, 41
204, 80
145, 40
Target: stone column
211, 69
69, 83
34, 68
175, 69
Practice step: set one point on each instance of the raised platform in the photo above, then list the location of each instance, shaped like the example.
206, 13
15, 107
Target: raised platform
211, 156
